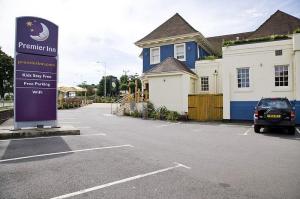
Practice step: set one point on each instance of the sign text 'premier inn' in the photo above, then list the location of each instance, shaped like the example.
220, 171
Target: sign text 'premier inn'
35, 72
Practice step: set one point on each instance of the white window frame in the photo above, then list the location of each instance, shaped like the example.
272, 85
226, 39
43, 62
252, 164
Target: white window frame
237, 79
288, 76
151, 60
202, 86
184, 51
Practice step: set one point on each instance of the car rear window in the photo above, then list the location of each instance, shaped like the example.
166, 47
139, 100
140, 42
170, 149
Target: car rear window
274, 103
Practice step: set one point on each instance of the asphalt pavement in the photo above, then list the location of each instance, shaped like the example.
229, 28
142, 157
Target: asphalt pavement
124, 157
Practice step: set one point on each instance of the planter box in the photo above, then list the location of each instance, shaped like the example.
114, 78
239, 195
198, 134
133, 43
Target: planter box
5, 115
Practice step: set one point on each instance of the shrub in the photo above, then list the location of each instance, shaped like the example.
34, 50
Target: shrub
255, 40
210, 57
136, 113
297, 30
162, 112
150, 110
172, 116
152, 115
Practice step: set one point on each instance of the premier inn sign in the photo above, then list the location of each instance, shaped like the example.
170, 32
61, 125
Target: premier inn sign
35, 79
36, 36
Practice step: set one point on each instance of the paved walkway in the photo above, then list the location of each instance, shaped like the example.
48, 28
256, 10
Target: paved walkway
123, 157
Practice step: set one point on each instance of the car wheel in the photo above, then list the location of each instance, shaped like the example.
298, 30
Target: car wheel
291, 130
256, 129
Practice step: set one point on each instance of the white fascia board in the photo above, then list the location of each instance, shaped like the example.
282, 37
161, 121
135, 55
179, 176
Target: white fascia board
167, 39
170, 74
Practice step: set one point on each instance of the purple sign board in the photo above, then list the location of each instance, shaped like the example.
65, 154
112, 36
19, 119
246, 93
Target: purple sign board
35, 76
36, 36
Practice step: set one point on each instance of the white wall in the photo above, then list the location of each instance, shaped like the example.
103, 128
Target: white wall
170, 91
261, 59
296, 48
208, 68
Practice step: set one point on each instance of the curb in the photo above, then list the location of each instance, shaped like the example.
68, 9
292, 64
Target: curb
37, 132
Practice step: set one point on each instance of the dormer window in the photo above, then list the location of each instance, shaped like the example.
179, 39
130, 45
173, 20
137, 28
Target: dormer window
154, 55
179, 51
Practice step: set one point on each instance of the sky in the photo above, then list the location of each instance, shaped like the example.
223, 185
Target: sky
99, 34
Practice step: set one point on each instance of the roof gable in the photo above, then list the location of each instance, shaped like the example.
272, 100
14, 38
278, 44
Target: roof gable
174, 26
279, 23
170, 64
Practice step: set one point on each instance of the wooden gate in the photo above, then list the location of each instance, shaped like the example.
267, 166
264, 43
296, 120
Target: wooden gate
206, 107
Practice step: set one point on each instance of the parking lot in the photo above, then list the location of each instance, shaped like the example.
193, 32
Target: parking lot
124, 157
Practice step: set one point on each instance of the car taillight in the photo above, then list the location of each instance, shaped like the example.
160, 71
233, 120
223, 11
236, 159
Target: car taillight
256, 114
293, 115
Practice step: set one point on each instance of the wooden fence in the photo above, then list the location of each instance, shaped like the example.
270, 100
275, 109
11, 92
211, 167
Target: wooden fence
206, 107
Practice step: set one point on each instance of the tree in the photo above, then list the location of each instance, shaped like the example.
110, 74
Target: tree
124, 79
89, 87
133, 79
112, 86
124, 82
124, 87
6, 73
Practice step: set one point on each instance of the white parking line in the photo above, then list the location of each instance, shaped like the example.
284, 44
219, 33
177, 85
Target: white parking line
246, 132
65, 152
168, 124
120, 181
50, 137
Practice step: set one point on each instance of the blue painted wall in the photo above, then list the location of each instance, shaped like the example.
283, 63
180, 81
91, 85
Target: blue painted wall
244, 110
202, 53
191, 53
297, 110
146, 59
168, 51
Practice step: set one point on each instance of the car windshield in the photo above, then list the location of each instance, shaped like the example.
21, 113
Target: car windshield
274, 103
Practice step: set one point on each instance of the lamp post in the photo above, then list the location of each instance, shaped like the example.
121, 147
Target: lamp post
216, 81
102, 62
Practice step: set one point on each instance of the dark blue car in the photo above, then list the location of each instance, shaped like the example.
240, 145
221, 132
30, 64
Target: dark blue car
274, 112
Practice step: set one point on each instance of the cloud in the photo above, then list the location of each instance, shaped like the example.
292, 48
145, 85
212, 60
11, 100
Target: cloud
253, 12
94, 30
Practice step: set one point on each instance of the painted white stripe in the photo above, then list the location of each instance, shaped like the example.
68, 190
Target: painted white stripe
246, 132
108, 115
298, 130
65, 152
50, 137
120, 181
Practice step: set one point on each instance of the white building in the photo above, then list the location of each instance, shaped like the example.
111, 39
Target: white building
246, 70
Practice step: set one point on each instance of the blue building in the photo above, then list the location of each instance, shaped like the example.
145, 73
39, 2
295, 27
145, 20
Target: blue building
174, 38
170, 86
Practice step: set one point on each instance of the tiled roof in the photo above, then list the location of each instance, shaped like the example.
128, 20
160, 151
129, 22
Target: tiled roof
170, 64
278, 23
174, 26
217, 41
